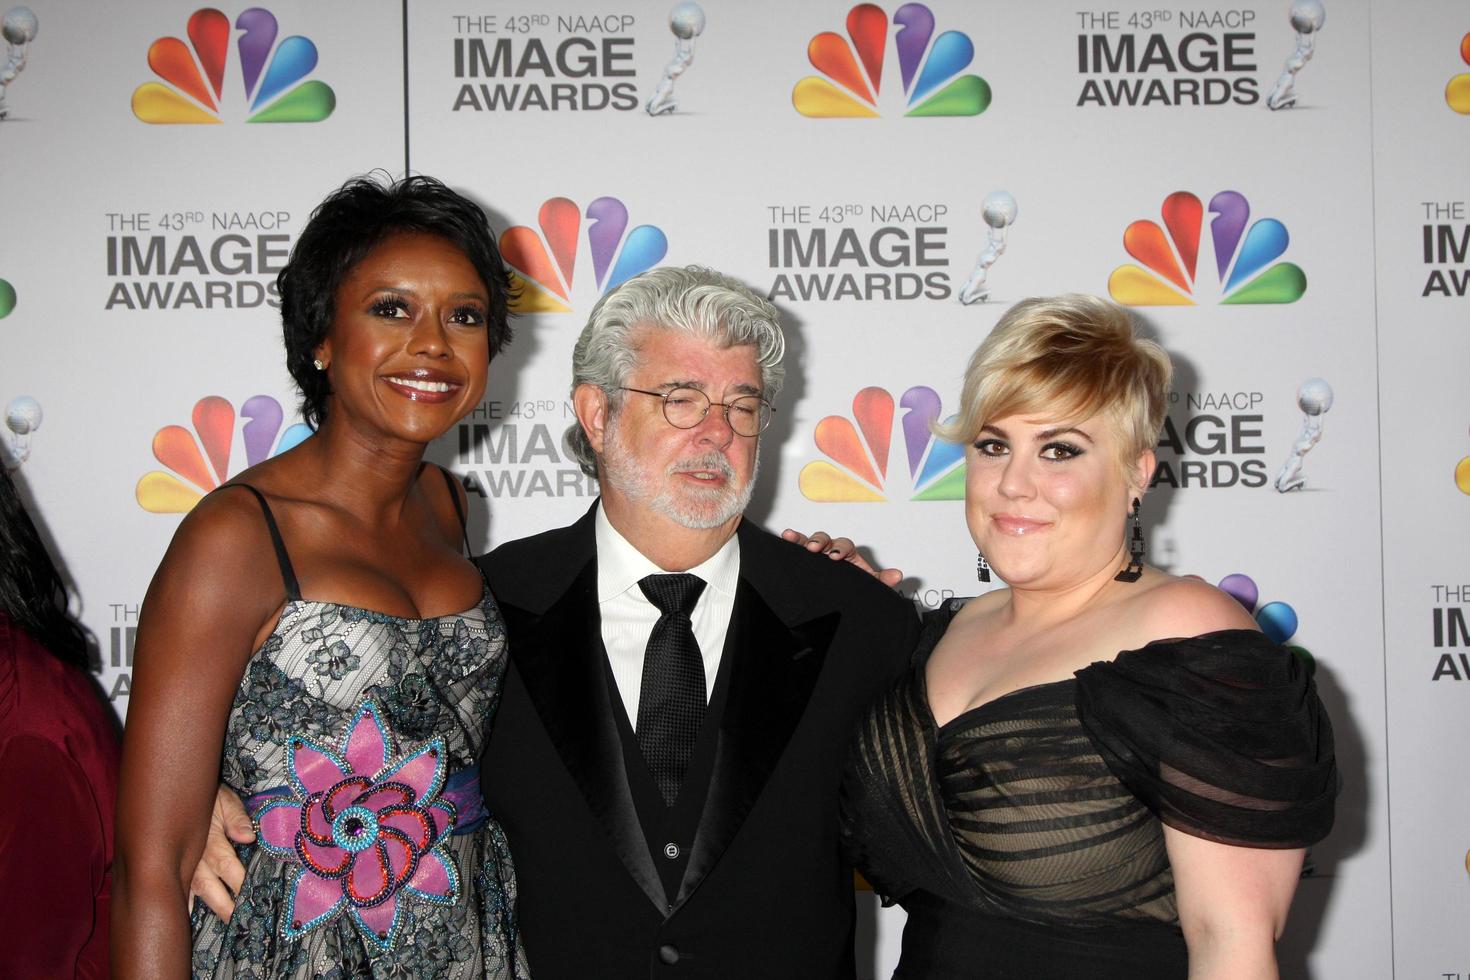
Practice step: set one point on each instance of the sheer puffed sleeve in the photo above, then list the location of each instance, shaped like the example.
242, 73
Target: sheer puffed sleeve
1222, 736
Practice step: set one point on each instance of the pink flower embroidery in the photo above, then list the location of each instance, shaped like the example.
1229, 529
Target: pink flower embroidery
365, 826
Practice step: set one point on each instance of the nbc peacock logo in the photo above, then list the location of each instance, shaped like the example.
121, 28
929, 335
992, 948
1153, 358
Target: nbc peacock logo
1457, 92
852, 67
194, 73
543, 265
199, 461
857, 467
1244, 259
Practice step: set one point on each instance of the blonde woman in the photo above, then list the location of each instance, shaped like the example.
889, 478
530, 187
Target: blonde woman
1102, 770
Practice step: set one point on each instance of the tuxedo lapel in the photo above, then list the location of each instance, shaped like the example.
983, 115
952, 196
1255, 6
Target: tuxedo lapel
560, 658
773, 669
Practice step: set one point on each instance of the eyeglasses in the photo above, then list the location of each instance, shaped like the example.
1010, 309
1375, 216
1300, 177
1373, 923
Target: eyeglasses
684, 408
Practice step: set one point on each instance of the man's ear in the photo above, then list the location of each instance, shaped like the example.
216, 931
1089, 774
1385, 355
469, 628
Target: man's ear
590, 404
1141, 474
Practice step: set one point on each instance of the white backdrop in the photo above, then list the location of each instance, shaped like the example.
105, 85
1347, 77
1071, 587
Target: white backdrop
140, 253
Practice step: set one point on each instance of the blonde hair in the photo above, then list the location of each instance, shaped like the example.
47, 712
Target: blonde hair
1069, 356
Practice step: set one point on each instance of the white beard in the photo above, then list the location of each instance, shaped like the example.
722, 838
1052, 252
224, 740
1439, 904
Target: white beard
690, 506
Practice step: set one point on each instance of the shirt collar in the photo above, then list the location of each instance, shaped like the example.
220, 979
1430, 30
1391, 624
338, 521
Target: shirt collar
620, 566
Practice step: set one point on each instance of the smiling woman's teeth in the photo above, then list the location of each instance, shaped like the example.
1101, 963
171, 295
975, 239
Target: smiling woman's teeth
421, 385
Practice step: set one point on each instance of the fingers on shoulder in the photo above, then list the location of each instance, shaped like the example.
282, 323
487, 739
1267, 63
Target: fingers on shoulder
1190, 607
818, 541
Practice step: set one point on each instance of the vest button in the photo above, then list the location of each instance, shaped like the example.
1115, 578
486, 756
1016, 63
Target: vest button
671, 850
668, 953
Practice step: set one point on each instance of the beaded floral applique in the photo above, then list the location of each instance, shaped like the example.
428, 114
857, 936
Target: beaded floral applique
366, 827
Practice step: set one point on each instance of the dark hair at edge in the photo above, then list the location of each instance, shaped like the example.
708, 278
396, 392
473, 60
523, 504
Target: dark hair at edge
32, 595
344, 228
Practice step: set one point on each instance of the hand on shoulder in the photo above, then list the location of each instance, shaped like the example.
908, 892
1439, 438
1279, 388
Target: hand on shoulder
841, 549
1181, 607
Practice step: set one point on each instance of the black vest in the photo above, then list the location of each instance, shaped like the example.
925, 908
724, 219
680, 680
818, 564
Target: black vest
670, 830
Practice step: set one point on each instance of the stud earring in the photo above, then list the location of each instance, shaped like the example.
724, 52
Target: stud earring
1134, 571
318, 364
982, 568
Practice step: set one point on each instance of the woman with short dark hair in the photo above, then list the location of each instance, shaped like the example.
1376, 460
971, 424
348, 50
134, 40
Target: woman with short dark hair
316, 637
348, 225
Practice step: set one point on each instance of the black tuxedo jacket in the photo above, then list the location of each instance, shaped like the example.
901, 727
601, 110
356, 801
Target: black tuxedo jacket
765, 893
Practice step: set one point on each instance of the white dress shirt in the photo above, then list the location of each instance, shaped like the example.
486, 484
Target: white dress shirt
628, 617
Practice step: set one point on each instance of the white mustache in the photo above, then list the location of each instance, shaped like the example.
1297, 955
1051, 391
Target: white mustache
709, 461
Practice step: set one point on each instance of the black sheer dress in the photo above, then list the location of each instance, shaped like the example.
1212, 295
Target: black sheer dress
1025, 837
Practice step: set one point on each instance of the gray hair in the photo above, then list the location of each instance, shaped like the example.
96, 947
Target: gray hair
692, 300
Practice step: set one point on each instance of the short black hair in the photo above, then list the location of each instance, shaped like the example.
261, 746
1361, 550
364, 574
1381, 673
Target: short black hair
350, 223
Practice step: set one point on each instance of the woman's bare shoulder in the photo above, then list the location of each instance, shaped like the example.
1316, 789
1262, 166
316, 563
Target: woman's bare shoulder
219, 547
230, 517
1186, 606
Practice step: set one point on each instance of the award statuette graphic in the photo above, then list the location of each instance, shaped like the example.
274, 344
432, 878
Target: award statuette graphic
686, 20
1314, 398
19, 29
999, 211
22, 417
1307, 17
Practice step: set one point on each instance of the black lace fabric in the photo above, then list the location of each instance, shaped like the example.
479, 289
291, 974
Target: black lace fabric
1045, 806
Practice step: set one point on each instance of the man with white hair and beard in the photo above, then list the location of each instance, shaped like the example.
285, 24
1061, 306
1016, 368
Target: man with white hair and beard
666, 755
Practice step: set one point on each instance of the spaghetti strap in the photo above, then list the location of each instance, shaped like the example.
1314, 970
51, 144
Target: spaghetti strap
288, 574
464, 529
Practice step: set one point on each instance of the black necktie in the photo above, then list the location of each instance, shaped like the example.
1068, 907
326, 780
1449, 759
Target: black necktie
671, 700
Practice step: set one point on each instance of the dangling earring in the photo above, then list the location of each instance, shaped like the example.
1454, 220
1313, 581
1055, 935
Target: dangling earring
1134, 571
318, 364
982, 568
